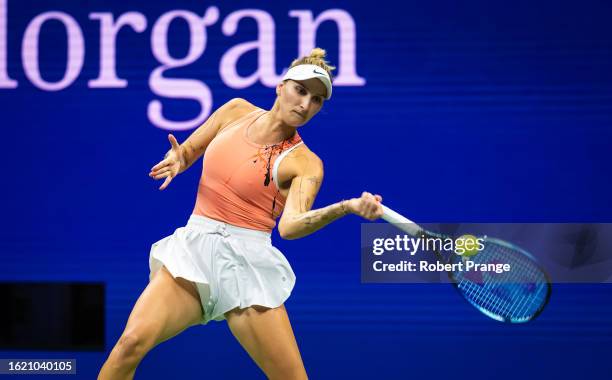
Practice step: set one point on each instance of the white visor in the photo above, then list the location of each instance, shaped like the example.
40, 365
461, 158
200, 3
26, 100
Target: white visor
303, 72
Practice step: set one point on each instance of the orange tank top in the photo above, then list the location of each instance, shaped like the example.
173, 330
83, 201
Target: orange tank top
237, 185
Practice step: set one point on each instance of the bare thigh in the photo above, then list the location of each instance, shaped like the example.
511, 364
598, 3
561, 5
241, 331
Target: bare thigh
267, 336
166, 307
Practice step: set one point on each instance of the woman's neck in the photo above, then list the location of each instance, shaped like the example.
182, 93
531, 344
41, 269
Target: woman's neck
270, 129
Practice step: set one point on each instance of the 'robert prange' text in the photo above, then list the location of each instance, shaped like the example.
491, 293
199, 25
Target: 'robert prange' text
425, 266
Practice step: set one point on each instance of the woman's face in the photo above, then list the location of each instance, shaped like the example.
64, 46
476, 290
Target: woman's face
299, 101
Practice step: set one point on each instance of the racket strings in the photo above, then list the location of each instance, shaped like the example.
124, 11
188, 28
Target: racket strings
516, 295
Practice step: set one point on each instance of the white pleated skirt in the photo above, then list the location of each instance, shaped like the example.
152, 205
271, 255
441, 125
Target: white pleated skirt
231, 266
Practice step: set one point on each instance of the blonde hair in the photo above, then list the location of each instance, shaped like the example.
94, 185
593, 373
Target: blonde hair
316, 57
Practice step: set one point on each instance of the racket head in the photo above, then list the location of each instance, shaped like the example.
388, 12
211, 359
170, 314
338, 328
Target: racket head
516, 296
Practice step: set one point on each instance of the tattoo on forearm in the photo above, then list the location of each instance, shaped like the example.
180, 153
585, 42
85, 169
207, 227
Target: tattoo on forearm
313, 220
188, 152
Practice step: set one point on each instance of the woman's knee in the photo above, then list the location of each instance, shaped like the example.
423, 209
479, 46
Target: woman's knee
132, 347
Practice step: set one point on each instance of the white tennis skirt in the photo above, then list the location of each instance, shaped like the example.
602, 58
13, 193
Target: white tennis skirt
231, 266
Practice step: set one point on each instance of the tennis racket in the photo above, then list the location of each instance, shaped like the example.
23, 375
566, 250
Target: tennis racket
516, 296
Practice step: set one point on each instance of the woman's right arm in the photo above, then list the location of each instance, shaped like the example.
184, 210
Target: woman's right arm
196, 144
180, 157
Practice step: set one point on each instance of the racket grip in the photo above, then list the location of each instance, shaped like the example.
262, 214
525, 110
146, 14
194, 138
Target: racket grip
400, 221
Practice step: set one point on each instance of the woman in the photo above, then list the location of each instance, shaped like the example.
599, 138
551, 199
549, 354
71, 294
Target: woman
222, 264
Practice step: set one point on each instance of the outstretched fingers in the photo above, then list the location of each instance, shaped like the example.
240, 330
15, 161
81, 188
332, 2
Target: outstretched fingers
161, 165
167, 181
163, 173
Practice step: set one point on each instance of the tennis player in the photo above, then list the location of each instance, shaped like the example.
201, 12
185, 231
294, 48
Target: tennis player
221, 265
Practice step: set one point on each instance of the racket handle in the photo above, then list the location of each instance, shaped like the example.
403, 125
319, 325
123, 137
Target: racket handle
400, 221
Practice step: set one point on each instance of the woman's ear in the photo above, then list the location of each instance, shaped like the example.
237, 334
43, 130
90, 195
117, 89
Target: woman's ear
278, 88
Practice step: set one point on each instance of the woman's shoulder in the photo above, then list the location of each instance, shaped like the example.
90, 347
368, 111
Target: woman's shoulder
300, 162
236, 108
305, 160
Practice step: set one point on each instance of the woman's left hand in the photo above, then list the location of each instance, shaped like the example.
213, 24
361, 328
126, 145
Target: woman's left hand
367, 206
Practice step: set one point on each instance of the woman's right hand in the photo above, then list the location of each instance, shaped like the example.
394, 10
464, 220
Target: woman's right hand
170, 166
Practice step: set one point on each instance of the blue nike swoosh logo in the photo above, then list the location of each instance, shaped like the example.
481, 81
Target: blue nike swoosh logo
317, 72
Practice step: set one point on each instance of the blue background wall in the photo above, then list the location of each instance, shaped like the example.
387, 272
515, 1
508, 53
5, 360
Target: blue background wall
473, 111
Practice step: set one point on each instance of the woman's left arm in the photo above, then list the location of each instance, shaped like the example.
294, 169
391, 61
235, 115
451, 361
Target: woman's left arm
298, 220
